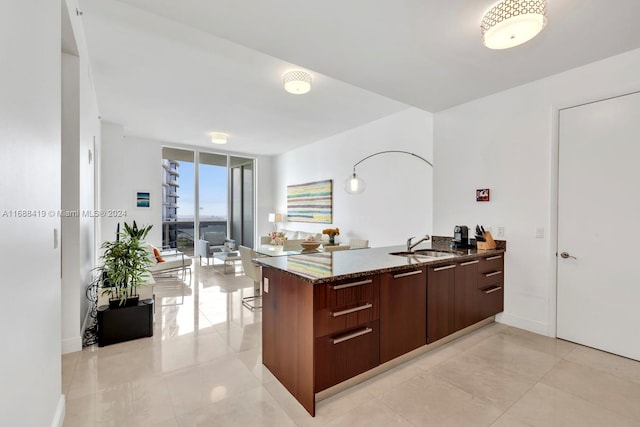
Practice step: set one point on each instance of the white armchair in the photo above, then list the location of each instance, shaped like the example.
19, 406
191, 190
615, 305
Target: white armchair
166, 263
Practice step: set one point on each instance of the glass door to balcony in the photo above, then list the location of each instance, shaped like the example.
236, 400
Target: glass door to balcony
205, 192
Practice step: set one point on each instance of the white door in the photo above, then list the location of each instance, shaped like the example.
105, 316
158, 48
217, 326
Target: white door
598, 219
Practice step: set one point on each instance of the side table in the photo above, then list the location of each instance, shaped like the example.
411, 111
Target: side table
227, 258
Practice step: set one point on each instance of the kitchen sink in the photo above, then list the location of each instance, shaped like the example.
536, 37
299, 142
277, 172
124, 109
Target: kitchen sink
434, 253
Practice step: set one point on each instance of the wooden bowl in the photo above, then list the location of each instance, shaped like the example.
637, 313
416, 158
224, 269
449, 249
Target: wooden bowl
307, 246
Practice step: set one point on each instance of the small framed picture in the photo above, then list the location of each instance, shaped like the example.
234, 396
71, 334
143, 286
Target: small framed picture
482, 195
143, 199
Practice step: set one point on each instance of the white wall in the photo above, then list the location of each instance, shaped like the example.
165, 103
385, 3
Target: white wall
88, 146
70, 202
80, 127
397, 203
131, 164
30, 366
507, 142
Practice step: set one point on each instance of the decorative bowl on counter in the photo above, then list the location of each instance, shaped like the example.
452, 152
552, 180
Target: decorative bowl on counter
309, 246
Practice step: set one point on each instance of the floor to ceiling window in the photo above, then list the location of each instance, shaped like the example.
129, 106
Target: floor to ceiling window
206, 192
213, 210
242, 197
178, 199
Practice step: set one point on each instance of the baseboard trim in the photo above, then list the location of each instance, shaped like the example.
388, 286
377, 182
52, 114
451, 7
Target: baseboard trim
541, 328
58, 416
71, 345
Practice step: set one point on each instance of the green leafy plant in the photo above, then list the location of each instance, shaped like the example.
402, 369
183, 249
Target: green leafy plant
125, 263
135, 232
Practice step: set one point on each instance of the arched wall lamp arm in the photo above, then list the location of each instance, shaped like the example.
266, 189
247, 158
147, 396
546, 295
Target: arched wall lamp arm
356, 185
391, 151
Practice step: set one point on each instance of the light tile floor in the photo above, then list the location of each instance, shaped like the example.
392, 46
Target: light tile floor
203, 367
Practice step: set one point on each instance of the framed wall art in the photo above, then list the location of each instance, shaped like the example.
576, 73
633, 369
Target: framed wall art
310, 202
143, 199
482, 195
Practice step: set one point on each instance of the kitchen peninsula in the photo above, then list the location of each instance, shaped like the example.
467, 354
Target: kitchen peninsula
329, 317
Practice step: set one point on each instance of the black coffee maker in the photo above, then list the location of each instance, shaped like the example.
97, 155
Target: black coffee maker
461, 236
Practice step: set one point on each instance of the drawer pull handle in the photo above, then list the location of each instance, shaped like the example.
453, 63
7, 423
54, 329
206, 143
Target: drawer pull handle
470, 262
351, 310
495, 273
352, 336
410, 273
446, 267
491, 258
492, 290
349, 285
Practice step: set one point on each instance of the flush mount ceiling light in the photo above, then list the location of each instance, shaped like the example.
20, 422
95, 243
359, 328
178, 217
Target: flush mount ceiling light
297, 82
513, 22
219, 138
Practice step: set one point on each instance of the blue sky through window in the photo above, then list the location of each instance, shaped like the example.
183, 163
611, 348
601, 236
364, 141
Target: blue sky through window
213, 192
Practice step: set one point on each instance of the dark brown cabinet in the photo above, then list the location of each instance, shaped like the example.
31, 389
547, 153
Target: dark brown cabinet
346, 328
287, 333
345, 305
403, 312
316, 335
491, 286
346, 354
440, 301
462, 294
466, 307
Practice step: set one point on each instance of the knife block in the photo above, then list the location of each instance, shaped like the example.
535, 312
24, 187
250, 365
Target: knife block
489, 243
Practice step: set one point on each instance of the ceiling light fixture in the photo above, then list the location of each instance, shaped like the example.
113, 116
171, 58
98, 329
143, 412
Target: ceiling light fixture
219, 138
513, 22
297, 82
356, 185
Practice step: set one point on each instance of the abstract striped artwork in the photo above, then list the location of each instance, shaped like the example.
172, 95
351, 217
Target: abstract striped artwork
312, 266
310, 202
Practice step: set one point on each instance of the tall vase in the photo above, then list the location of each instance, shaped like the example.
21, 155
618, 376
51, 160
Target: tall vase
332, 240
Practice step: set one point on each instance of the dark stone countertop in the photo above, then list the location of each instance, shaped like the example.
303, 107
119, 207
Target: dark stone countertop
322, 267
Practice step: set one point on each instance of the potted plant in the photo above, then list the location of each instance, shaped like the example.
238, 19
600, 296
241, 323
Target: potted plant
332, 233
125, 266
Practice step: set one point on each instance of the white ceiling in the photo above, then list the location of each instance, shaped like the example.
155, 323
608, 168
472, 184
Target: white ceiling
177, 70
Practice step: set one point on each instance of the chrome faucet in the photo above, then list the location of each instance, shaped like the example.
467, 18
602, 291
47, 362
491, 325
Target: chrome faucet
411, 246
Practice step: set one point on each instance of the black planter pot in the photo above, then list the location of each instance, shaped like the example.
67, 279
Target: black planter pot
125, 323
115, 303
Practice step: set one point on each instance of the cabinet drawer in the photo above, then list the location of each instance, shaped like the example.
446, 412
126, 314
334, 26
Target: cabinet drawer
491, 271
348, 292
492, 278
490, 301
346, 304
331, 320
346, 354
491, 263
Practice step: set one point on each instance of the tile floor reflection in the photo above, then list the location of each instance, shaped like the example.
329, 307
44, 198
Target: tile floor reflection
203, 367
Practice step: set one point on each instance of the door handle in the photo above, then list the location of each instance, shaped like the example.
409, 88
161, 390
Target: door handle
566, 255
